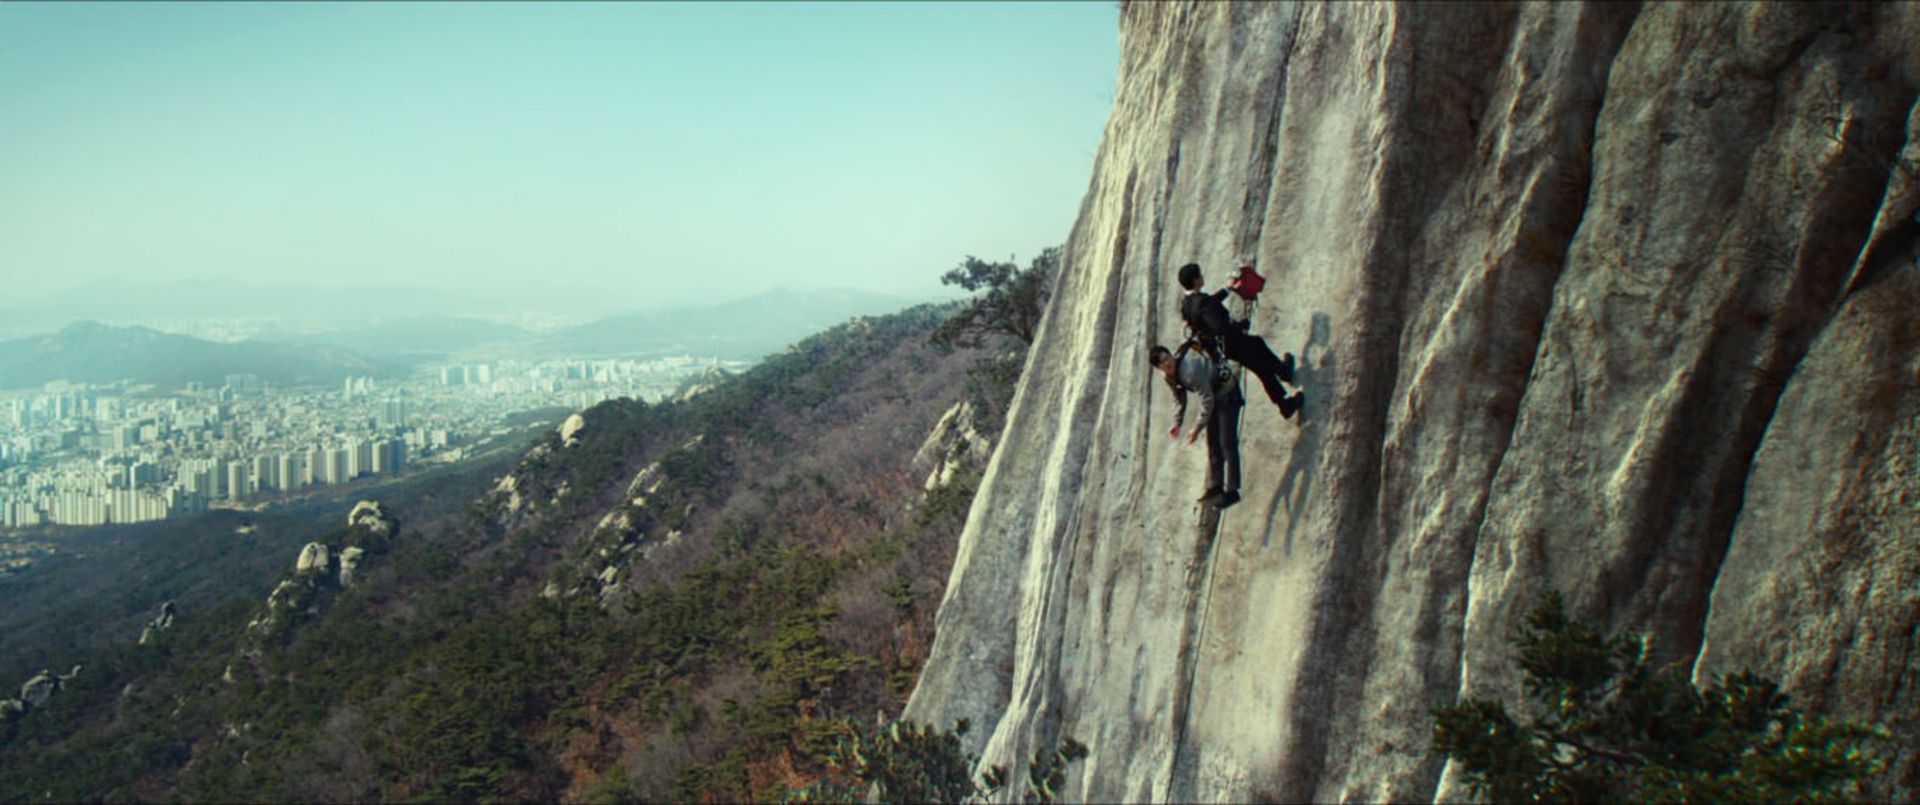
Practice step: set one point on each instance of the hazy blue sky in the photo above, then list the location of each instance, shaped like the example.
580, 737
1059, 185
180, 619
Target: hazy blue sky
650, 150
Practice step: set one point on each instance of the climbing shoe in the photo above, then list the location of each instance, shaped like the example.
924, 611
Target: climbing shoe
1291, 405
1286, 367
1211, 493
1228, 499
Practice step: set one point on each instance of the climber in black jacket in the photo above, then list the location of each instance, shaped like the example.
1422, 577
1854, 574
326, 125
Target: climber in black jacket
1209, 321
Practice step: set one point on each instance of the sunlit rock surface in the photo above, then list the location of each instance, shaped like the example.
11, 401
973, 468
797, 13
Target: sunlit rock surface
314, 558
368, 514
160, 623
349, 561
36, 691
570, 429
954, 444
1608, 299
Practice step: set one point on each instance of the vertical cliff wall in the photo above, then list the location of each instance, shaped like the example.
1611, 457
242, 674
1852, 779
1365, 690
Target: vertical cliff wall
1617, 300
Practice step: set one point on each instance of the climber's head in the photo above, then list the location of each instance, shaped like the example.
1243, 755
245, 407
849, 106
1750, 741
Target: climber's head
1190, 276
1162, 359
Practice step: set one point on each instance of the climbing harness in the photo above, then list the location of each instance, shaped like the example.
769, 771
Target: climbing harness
1245, 283
1222, 372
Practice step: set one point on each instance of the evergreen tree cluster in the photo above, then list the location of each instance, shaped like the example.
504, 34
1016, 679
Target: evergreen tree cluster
1602, 723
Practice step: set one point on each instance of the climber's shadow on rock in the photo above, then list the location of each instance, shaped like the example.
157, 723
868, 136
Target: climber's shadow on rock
1313, 375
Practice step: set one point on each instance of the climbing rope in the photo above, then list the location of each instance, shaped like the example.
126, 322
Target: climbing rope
1240, 373
1200, 601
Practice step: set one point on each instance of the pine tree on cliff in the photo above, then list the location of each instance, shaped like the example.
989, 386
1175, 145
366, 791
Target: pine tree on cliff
1004, 316
1011, 305
1606, 725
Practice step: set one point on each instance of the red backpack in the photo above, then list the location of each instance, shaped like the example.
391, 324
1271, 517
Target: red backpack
1246, 283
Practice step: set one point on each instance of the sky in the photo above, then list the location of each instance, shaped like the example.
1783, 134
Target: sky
630, 155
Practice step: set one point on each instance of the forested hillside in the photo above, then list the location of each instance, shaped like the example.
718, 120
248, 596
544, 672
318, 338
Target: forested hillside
688, 600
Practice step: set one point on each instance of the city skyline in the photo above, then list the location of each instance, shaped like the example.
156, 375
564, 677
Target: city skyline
611, 156
90, 454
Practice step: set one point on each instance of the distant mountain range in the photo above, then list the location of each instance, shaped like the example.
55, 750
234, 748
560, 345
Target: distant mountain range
90, 352
134, 301
743, 328
444, 335
746, 328
302, 307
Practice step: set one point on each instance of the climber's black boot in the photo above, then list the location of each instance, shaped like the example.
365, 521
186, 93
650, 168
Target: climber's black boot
1291, 405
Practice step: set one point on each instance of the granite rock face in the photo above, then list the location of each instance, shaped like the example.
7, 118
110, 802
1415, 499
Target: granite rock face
349, 561
1821, 582
321, 571
570, 429
159, 624
369, 515
954, 444
1608, 299
36, 691
314, 558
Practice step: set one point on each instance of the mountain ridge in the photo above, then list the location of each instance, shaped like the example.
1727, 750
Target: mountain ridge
684, 600
747, 327
92, 352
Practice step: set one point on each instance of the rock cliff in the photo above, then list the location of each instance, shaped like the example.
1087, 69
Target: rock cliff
159, 625
321, 570
1617, 300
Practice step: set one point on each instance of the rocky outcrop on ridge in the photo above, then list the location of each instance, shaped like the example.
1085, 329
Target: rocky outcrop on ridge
954, 444
36, 692
1611, 299
367, 514
570, 429
160, 623
321, 570
314, 558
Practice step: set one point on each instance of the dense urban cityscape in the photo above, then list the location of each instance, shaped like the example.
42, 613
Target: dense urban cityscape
92, 454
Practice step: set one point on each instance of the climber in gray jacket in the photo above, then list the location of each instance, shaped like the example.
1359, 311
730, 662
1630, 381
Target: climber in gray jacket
1220, 403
